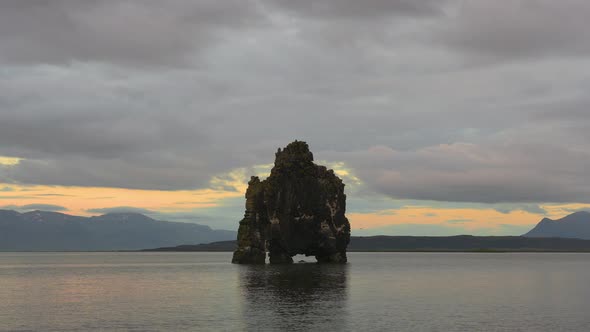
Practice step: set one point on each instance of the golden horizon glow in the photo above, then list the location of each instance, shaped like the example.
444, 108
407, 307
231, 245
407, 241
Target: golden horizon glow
9, 161
469, 219
81, 200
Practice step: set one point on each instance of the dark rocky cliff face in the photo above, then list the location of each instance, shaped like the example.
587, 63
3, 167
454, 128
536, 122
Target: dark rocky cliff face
298, 209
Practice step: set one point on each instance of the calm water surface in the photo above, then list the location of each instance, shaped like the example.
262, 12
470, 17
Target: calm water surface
375, 291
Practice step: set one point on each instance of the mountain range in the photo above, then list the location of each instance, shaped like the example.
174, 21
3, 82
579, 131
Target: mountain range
576, 225
52, 231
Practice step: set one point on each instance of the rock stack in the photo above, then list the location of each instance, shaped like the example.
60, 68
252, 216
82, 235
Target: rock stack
298, 209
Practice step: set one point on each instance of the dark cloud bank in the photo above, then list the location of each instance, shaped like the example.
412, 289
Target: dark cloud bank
468, 101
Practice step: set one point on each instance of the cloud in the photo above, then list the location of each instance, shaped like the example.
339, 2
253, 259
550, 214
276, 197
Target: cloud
463, 172
30, 207
458, 221
573, 210
107, 173
15, 197
8, 161
92, 95
54, 195
532, 208
346, 9
120, 209
6, 189
518, 29
123, 32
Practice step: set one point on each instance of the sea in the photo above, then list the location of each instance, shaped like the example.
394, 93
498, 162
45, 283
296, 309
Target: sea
141, 291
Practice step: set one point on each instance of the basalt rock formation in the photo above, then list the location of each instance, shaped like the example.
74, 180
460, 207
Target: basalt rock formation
298, 209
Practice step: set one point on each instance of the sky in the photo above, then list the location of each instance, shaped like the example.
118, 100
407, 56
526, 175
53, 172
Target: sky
442, 117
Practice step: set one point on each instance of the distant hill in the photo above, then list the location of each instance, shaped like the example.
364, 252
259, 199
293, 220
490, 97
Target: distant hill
576, 225
430, 243
46, 231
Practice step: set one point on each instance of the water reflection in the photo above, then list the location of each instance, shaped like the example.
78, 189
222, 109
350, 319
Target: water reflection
294, 297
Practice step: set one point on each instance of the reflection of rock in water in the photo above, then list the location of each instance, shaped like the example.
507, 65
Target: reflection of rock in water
294, 297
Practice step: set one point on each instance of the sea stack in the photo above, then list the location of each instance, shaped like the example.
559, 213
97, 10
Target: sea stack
298, 209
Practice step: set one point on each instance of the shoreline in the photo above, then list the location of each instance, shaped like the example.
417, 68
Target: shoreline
481, 251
